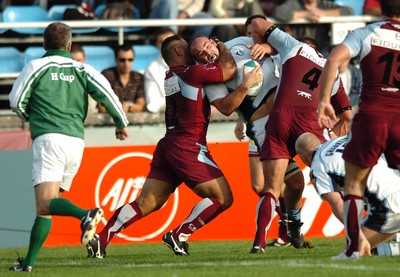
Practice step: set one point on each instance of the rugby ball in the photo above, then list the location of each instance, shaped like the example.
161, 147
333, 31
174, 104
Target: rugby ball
248, 65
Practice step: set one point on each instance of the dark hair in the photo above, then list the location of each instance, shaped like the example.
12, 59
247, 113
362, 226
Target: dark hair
123, 47
310, 41
57, 35
390, 8
167, 45
164, 31
75, 48
250, 18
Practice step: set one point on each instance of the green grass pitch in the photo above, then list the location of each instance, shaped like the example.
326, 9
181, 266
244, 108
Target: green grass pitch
216, 258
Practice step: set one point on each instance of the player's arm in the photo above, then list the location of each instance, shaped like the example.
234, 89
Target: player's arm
261, 29
335, 202
100, 89
342, 127
228, 64
326, 113
21, 92
228, 104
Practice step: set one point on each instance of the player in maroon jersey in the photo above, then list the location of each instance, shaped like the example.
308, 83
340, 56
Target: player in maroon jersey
182, 155
375, 129
294, 112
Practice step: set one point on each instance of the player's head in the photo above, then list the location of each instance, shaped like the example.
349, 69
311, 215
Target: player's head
305, 146
175, 51
77, 53
310, 41
57, 36
390, 8
162, 35
247, 24
204, 49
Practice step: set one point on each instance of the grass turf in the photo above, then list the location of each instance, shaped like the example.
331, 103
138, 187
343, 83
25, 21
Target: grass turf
221, 258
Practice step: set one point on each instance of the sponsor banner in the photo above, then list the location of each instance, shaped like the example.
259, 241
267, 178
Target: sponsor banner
112, 176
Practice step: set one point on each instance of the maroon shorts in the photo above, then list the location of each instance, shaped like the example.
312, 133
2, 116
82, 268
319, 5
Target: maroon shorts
178, 160
373, 133
284, 126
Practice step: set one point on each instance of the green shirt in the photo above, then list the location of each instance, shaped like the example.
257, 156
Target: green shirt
52, 94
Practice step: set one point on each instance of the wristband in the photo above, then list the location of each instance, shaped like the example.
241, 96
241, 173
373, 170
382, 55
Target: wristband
268, 32
344, 109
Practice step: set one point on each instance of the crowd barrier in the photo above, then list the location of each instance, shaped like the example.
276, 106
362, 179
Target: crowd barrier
344, 23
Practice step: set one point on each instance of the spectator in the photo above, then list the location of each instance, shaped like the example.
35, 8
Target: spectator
229, 9
78, 54
372, 7
117, 9
268, 6
127, 84
166, 9
155, 75
311, 10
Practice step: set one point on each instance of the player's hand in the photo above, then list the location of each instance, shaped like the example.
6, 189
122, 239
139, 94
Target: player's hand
364, 245
239, 130
121, 134
326, 115
252, 77
258, 51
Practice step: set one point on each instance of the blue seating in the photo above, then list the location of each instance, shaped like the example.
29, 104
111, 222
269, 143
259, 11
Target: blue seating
13, 14
356, 5
100, 57
33, 53
56, 13
100, 10
10, 60
144, 55
1, 20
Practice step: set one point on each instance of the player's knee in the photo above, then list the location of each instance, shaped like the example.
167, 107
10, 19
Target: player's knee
259, 190
226, 201
42, 208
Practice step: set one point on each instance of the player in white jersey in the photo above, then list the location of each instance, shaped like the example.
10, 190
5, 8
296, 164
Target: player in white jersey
378, 49
327, 171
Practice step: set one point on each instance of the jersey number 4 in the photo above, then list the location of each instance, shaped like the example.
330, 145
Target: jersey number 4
311, 78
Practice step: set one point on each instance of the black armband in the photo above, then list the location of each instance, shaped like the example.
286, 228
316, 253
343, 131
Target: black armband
268, 32
343, 110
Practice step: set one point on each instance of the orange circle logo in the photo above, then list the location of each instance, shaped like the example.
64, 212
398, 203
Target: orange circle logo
119, 183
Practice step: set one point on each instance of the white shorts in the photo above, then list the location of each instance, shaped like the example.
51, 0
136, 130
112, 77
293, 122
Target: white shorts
56, 158
253, 150
384, 216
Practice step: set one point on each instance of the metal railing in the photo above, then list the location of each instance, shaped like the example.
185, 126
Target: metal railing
121, 24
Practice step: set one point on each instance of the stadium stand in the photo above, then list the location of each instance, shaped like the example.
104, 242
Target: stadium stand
24, 42
356, 5
10, 60
100, 10
100, 57
144, 55
32, 53
56, 13
25, 14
